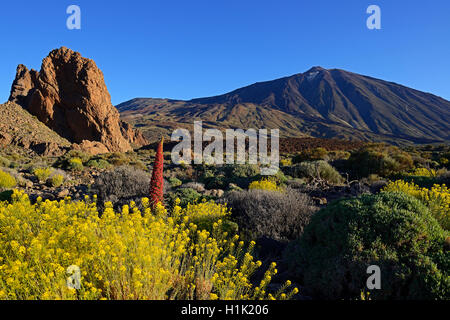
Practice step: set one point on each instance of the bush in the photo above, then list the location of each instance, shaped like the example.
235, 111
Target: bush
83, 156
216, 182
264, 185
278, 178
186, 195
175, 182
98, 164
118, 159
6, 180
277, 215
135, 254
122, 183
75, 164
4, 162
42, 174
314, 154
379, 159
206, 213
316, 170
220, 178
245, 170
286, 162
423, 172
391, 230
138, 164
56, 180
437, 198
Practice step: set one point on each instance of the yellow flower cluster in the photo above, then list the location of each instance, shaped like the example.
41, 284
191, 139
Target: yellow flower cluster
42, 173
57, 180
76, 164
264, 185
286, 162
6, 180
423, 172
437, 198
137, 253
203, 214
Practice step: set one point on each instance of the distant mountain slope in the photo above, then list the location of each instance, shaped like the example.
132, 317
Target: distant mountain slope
321, 103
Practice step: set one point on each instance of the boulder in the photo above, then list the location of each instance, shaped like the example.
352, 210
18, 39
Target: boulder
69, 95
91, 147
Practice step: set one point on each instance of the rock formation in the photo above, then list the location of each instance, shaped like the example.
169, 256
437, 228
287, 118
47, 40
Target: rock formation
69, 95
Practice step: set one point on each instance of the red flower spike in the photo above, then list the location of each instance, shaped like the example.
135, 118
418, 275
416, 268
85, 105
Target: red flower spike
157, 182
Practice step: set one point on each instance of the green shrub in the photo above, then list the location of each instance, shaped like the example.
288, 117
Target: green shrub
98, 164
78, 154
7, 180
245, 170
175, 182
216, 182
42, 174
314, 154
186, 195
316, 170
279, 178
118, 159
138, 164
75, 164
391, 230
379, 159
4, 162
56, 180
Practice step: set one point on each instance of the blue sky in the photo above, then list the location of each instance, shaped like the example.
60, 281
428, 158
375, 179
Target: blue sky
186, 49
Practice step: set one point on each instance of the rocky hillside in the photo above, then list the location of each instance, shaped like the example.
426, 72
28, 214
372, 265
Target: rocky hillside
19, 128
69, 95
321, 103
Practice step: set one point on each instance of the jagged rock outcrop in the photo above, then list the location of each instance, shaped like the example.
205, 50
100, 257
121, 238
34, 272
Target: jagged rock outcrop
24, 82
135, 137
69, 95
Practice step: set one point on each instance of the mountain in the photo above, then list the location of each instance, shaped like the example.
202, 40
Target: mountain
18, 128
69, 96
325, 103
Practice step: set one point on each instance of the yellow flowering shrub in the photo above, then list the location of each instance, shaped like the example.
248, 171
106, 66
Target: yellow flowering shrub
437, 198
42, 174
57, 180
6, 180
204, 214
132, 254
423, 172
75, 164
286, 162
264, 185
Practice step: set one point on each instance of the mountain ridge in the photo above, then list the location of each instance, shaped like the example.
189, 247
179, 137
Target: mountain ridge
319, 102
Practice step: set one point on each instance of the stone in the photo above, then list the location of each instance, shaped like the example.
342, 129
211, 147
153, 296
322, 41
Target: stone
63, 193
91, 147
69, 95
5, 139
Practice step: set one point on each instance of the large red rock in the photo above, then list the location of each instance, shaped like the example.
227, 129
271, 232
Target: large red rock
69, 95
